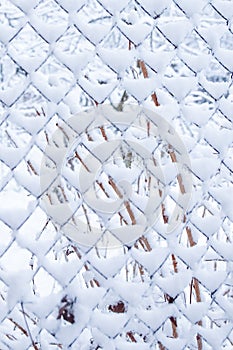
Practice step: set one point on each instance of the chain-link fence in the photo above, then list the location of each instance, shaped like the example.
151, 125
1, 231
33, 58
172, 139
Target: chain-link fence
116, 174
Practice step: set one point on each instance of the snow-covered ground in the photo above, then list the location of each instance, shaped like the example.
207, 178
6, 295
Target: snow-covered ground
132, 175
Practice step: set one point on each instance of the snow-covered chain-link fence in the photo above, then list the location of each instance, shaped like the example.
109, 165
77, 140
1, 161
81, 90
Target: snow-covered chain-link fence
157, 77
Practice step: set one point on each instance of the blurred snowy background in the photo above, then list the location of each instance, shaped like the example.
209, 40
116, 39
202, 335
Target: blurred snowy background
58, 58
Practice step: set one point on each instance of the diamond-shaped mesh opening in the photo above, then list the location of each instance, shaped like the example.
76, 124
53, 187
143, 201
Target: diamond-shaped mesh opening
11, 75
31, 55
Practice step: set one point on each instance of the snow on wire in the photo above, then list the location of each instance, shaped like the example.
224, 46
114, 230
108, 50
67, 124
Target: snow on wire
158, 74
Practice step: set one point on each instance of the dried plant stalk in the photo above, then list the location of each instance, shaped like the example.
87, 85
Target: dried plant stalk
188, 230
19, 327
146, 75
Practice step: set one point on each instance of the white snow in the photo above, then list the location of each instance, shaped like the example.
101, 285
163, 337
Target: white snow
63, 58
104, 90
155, 7
180, 87
111, 58
141, 88
136, 33
15, 208
158, 60
176, 30
153, 260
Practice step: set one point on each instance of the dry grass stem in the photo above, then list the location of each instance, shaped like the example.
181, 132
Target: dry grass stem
81, 161
19, 327
32, 167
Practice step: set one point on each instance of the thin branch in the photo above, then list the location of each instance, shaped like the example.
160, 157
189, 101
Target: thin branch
32, 167
146, 75
131, 337
165, 218
18, 326
81, 161
28, 329
103, 133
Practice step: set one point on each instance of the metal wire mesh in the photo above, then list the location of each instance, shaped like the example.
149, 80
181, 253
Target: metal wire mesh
59, 59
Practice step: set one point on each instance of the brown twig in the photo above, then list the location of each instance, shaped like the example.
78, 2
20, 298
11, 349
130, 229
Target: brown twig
103, 133
32, 167
114, 186
141, 271
63, 131
131, 337
179, 177
175, 264
130, 212
81, 161
46, 136
145, 244
86, 268
19, 327
102, 188
190, 237
161, 346
146, 75
195, 282
174, 326
122, 219
126, 203
39, 113
165, 217
28, 329
182, 189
